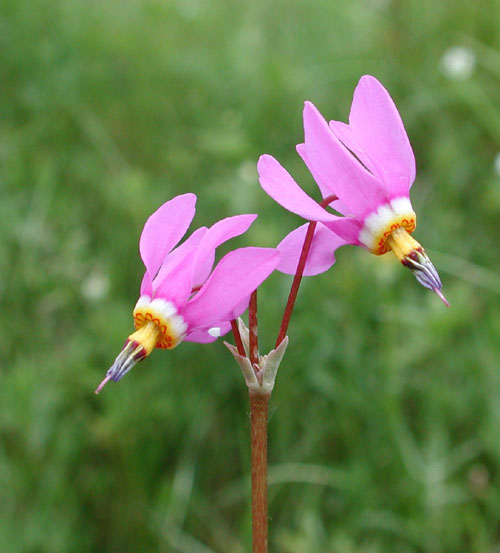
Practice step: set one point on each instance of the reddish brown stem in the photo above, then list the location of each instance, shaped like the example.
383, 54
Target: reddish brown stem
237, 338
298, 274
259, 408
253, 329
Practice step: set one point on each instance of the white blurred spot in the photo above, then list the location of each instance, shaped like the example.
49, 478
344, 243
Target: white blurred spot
214, 331
458, 62
95, 287
496, 165
248, 171
189, 9
378, 4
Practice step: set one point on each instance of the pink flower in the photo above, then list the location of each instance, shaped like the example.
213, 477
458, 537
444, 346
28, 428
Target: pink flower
369, 166
181, 298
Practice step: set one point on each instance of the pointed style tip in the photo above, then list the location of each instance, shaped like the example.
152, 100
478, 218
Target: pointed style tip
105, 380
441, 297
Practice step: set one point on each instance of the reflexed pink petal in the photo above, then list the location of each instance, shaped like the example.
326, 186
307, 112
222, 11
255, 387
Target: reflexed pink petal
164, 228
173, 257
240, 308
377, 125
325, 186
217, 234
176, 284
204, 337
344, 133
347, 228
146, 285
235, 277
321, 255
278, 183
340, 206
329, 161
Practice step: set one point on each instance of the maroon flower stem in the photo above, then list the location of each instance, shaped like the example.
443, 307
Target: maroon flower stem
298, 274
259, 400
259, 408
253, 329
237, 338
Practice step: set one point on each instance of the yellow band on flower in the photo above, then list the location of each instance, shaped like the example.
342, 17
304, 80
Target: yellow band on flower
146, 337
163, 314
402, 244
382, 241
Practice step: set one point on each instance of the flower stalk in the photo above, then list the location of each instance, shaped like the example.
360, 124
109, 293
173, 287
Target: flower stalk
253, 329
260, 374
292, 296
237, 338
259, 409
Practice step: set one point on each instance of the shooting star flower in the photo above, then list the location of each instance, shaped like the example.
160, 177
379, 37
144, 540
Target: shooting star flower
369, 166
181, 298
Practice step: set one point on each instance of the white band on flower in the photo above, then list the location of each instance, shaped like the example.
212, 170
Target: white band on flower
381, 223
164, 314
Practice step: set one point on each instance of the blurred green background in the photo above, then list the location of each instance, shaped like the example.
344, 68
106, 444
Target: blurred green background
385, 428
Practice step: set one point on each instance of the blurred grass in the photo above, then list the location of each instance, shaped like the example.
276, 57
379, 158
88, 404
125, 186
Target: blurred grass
384, 435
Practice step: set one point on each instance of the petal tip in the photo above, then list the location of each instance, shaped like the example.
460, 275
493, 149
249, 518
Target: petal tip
190, 196
265, 158
369, 79
309, 107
